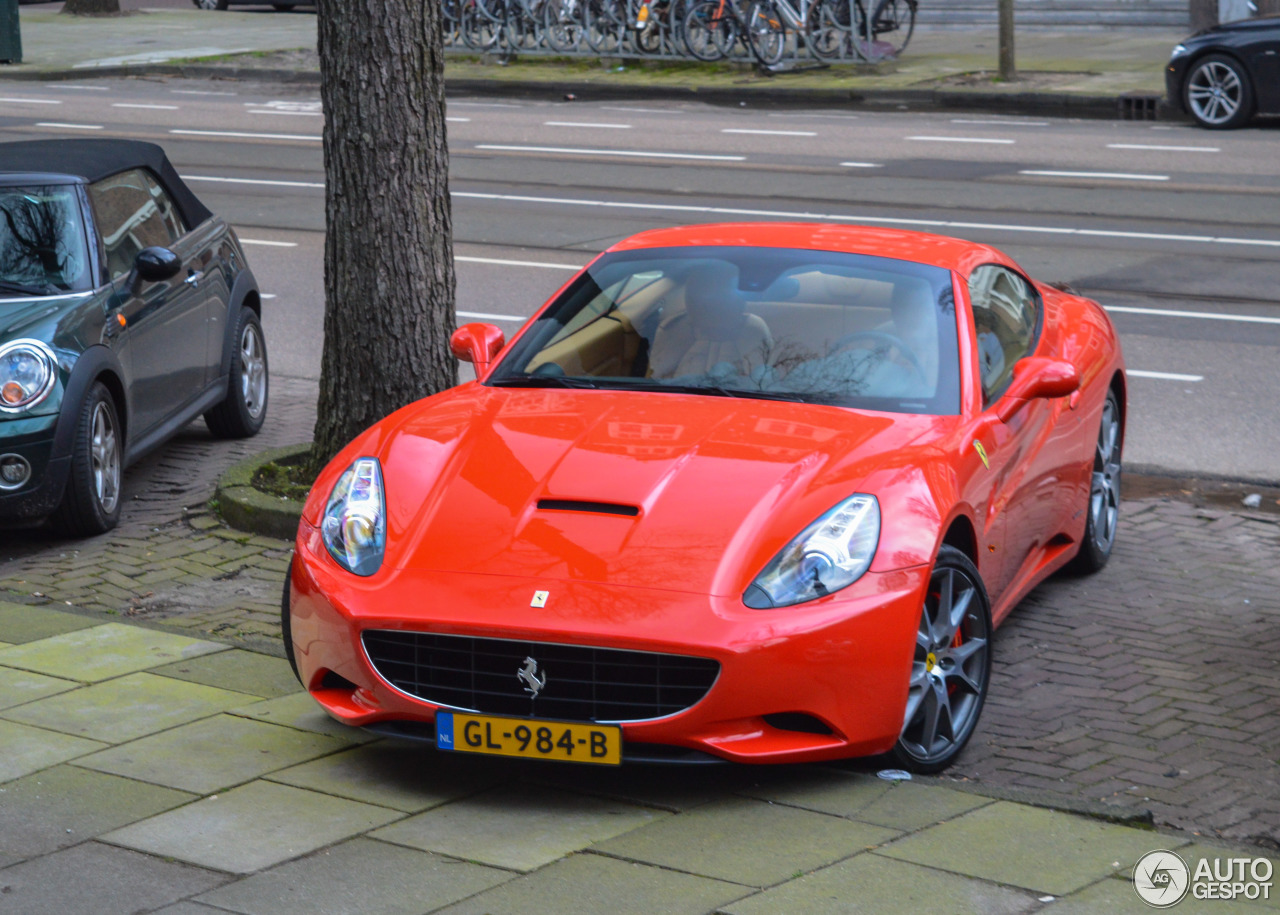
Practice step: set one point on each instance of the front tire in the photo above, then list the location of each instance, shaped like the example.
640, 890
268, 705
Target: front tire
91, 502
1217, 93
244, 410
1103, 511
210, 4
951, 668
286, 624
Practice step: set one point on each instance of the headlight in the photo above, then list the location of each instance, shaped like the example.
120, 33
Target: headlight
1178, 51
28, 370
831, 553
354, 527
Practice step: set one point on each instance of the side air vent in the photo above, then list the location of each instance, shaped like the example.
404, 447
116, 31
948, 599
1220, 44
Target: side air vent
599, 508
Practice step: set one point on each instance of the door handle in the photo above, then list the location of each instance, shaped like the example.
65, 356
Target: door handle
194, 278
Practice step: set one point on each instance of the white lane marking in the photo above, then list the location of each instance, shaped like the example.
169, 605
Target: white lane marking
641, 110
149, 107
1163, 376
458, 120
83, 88
507, 263
610, 152
861, 165
485, 316
269, 244
1000, 123
1200, 315
288, 114
267, 295
964, 140
1163, 148
589, 124
242, 134
855, 218
62, 126
770, 133
32, 101
485, 104
253, 181
200, 92
828, 117
1114, 176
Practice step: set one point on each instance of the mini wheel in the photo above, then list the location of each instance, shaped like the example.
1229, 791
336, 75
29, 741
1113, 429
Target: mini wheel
91, 502
243, 411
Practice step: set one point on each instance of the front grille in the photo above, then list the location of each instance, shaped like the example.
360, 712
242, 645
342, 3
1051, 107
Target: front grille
582, 683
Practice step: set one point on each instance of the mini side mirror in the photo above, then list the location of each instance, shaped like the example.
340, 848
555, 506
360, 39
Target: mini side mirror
478, 344
155, 264
1038, 377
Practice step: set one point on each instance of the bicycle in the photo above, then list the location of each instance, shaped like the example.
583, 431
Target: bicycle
713, 27
838, 29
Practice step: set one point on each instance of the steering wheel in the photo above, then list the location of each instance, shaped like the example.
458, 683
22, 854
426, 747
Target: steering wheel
907, 355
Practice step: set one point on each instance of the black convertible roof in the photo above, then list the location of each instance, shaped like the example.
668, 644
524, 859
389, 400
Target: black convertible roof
95, 159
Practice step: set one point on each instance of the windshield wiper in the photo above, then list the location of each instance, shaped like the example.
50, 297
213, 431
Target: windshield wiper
544, 381
24, 289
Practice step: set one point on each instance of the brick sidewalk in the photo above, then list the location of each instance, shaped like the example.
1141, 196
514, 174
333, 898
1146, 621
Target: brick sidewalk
1155, 684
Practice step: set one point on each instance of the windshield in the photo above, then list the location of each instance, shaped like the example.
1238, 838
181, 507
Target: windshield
776, 323
42, 241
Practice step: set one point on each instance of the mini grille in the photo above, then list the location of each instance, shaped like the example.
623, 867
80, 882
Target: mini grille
582, 683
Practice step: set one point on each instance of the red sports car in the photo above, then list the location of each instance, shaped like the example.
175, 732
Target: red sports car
751, 492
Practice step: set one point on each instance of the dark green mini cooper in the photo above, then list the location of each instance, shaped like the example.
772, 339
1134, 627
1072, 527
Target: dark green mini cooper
126, 310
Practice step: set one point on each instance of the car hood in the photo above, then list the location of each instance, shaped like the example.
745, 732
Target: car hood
682, 492
35, 317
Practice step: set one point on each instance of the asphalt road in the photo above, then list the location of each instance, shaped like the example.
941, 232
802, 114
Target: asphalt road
1175, 230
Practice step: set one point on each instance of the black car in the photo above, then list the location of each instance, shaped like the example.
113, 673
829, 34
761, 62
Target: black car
1225, 75
127, 309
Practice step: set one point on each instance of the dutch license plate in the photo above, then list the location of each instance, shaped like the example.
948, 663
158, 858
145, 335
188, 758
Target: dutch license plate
529, 738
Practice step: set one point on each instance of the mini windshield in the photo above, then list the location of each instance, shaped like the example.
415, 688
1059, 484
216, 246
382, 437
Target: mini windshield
42, 242
776, 323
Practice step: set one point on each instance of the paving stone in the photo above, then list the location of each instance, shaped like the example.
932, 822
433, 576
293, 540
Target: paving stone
648, 786
300, 711
587, 884
212, 754
754, 843
189, 908
406, 777
21, 623
109, 650
65, 805
27, 749
1056, 853
518, 827
1118, 897
21, 686
362, 875
869, 883
244, 671
251, 827
126, 708
96, 879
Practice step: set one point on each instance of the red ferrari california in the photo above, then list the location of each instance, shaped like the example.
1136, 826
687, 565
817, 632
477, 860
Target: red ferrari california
754, 492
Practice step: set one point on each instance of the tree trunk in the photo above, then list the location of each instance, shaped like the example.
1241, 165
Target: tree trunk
91, 7
1008, 68
388, 256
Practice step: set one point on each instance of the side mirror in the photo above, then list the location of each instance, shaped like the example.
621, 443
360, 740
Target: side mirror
478, 344
1037, 377
155, 264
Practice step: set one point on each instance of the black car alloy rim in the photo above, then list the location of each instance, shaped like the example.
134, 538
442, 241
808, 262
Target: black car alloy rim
1214, 92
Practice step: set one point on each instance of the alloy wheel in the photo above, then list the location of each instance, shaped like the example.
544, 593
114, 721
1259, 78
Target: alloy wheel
104, 451
1104, 493
253, 371
1215, 92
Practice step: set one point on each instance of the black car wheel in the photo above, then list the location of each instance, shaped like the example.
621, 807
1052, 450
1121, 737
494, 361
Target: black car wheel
1218, 93
210, 4
244, 410
1103, 511
91, 502
286, 624
951, 667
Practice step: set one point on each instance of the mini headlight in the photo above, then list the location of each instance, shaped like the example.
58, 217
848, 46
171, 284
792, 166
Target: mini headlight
28, 370
831, 553
354, 527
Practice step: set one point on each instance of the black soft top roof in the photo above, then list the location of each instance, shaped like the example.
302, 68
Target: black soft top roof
94, 160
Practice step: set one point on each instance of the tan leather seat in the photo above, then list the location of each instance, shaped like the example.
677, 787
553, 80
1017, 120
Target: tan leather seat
714, 327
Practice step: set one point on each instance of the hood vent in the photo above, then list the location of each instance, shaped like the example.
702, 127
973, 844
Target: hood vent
599, 508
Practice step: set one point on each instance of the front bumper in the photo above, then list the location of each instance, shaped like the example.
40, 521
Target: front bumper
33, 438
843, 661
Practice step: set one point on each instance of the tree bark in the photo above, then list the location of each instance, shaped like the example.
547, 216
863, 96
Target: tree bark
1008, 69
388, 258
91, 7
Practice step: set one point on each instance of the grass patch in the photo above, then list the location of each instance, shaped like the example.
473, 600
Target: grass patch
288, 478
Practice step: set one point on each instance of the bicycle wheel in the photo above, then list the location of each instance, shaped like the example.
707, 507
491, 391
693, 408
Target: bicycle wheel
561, 26
478, 31
705, 26
604, 22
829, 29
766, 32
893, 23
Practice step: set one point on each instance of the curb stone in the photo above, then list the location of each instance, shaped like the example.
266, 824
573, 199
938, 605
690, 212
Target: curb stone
248, 509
